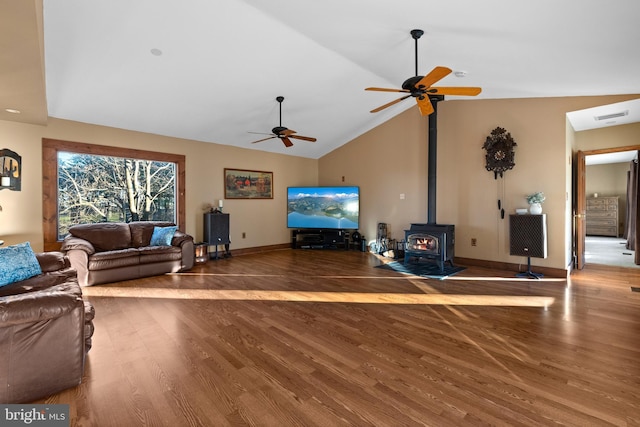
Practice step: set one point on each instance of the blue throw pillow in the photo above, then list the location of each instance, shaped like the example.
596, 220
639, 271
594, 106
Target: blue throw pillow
162, 236
18, 262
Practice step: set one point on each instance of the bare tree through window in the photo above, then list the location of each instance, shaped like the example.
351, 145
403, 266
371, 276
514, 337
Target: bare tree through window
96, 188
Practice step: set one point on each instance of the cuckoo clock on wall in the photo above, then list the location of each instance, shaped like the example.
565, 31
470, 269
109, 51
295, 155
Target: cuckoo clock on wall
500, 156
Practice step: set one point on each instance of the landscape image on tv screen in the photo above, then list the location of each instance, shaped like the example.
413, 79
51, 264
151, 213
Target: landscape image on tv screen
323, 207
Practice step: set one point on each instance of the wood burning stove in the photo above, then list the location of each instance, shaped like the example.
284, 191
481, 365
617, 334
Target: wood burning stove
430, 241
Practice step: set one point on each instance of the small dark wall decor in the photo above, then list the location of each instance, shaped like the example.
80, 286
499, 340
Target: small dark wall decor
500, 156
11, 170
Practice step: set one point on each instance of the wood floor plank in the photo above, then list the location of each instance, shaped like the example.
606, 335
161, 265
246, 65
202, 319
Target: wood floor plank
323, 338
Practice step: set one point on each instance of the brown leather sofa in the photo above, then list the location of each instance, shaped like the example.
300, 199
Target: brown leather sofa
115, 251
45, 332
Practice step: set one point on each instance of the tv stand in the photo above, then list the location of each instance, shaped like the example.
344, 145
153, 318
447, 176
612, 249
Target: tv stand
318, 238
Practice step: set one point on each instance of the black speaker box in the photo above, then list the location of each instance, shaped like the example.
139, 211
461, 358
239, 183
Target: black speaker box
216, 228
528, 235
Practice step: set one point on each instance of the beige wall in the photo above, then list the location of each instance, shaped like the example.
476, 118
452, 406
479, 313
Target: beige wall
391, 160
609, 137
263, 221
607, 180
386, 162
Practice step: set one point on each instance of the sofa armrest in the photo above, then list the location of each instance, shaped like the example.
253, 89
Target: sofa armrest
179, 238
185, 243
78, 251
42, 342
37, 306
79, 259
52, 261
76, 243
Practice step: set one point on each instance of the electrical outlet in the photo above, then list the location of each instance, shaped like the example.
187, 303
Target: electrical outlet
474, 241
244, 235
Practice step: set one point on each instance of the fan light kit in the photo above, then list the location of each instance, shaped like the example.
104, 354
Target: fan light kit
282, 132
420, 87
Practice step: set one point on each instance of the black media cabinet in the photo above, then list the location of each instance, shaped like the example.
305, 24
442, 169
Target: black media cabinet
319, 239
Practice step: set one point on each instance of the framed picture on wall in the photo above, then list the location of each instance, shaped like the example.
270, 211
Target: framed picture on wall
247, 184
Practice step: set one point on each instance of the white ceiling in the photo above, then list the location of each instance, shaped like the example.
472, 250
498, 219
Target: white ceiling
619, 113
607, 158
223, 63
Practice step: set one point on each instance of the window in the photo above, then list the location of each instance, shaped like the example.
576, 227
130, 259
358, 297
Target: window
94, 188
85, 183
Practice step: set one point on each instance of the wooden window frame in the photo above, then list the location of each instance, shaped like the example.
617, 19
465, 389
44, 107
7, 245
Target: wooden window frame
50, 149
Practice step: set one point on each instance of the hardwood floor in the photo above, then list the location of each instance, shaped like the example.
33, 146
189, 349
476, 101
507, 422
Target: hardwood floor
321, 338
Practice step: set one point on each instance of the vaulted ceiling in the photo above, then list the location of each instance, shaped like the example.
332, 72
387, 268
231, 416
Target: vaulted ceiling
211, 70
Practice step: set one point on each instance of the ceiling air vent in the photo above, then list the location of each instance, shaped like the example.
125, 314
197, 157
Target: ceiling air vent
611, 116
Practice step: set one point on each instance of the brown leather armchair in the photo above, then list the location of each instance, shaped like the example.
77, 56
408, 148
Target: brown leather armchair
45, 332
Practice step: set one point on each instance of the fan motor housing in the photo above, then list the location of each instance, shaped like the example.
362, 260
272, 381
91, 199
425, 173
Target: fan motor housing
278, 130
410, 85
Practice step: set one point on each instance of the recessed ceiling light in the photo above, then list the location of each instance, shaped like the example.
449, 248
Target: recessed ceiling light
460, 73
12, 111
156, 52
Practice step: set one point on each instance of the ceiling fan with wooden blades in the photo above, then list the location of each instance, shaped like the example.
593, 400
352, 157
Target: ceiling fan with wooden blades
282, 132
420, 87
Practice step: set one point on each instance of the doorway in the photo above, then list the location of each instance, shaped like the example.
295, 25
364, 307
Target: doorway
604, 177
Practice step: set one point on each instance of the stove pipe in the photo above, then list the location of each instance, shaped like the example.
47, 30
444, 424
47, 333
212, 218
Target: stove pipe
433, 159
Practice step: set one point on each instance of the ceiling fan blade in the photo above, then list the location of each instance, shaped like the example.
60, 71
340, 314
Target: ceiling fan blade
287, 142
469, 91
436, 74
382, 107
381, 89
260, 133
424, 104
264, 139
304, 138
287, 132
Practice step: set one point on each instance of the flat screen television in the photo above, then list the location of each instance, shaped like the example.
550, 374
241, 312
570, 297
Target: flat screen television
323, 207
